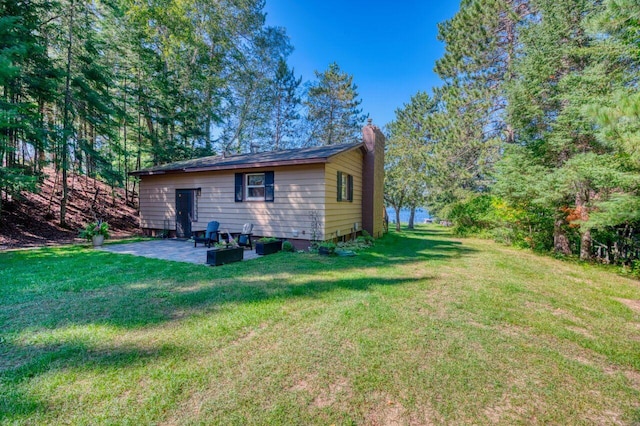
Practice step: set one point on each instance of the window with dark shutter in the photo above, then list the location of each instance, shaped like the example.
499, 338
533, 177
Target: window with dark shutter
255, 187
339, 186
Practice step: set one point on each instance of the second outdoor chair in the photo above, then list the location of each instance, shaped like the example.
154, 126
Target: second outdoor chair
244, 237
210, 235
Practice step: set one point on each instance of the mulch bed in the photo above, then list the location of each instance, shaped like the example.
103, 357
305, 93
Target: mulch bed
34, 219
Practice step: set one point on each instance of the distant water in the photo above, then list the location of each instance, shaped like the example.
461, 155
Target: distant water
421, 215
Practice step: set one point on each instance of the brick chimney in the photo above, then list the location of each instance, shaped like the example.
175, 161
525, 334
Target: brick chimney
373, 180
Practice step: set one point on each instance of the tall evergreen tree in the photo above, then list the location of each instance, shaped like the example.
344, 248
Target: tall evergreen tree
28, 80
465, 149
481, 43
285, 113
547, 106
332, 108
615, 216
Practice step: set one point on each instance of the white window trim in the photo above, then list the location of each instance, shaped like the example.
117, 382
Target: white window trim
247, 187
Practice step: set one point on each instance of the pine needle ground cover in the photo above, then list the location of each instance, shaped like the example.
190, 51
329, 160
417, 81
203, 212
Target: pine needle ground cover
420, 329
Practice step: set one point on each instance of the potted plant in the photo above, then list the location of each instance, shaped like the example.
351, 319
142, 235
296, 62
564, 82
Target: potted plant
327, 248
95, 232
268, 245
224, 252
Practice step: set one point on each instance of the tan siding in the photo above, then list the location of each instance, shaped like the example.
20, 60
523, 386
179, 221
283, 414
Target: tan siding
341, 215
298, 190
157, 204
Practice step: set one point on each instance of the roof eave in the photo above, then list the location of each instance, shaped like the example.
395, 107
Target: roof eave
151, 172
256, 165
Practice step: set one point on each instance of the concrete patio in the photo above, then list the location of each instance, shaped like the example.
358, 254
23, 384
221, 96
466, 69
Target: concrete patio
169, 249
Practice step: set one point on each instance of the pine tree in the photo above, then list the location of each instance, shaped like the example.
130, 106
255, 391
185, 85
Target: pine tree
332, 108
481, 43
27, 82
547, 106
285, 108
615, 216
469, 126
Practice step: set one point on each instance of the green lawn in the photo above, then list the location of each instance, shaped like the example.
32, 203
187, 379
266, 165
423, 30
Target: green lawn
421, 329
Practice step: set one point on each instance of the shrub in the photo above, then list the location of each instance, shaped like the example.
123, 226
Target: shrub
287, 246
472, 216
328, 246
365, 237
359, 243
223, 244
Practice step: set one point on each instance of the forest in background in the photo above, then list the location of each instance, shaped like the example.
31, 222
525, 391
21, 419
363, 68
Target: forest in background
534, 136
105, 87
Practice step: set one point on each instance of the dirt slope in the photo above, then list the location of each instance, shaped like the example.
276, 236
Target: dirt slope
34, 220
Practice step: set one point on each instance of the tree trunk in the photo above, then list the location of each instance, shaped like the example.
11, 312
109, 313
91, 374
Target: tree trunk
560, 240
40, 154
397, 209
586, 245
276, 133
67, 122
582, 198
124, 140
412, 216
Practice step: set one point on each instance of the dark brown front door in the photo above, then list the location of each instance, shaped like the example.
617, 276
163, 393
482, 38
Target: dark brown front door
184, 212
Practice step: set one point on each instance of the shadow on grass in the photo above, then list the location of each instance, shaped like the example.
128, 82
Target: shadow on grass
50, 288
17, 403
62, 288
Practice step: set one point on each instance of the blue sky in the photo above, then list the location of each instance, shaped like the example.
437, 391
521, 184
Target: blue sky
390, 47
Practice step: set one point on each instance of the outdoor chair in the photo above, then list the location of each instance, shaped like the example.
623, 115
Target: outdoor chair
210, 235
244, 238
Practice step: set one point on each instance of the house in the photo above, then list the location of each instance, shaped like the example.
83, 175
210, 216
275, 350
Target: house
320, 193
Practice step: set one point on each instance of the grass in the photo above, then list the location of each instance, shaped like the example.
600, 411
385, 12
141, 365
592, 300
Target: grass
421, 329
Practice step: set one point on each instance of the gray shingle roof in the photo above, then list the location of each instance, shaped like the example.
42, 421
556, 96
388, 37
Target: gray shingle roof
318, 154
